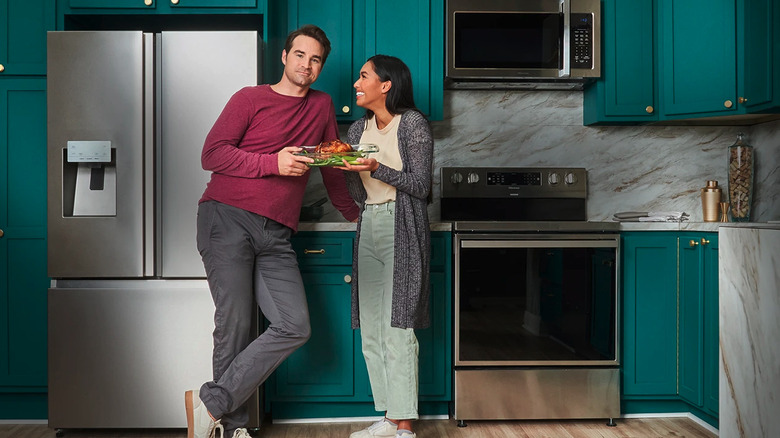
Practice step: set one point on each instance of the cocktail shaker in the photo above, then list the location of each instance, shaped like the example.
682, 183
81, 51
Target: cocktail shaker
710, 201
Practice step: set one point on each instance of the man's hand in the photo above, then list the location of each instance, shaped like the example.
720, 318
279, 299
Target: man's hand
292, 165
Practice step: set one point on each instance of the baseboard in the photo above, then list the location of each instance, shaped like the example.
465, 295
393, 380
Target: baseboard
689, 415
349, 419
25, 421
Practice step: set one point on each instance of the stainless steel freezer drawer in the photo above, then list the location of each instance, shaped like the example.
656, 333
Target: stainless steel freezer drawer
122, 353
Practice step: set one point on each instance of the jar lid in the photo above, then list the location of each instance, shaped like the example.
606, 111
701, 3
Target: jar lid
711, 184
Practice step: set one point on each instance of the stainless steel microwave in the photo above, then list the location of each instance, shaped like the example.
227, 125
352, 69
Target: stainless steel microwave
506, 40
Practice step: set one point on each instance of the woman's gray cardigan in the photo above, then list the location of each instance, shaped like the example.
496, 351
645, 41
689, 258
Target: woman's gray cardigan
411, 267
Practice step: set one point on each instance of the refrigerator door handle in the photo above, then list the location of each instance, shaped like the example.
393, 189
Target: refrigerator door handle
149, 155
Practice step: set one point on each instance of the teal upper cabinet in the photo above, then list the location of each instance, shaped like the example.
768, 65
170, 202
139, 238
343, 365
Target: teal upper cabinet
698, 57
420, 44
626, 91
337, 19
761, 62
359, 29
664, 60
23, 26
163, 5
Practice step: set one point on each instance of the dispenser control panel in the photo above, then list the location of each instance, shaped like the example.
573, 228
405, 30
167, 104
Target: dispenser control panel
89, 151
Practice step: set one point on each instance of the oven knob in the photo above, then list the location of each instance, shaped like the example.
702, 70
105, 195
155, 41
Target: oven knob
553, 179
456, 178
570, 178
473, 178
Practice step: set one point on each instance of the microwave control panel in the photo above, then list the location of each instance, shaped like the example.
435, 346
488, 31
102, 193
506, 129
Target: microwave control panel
581, 40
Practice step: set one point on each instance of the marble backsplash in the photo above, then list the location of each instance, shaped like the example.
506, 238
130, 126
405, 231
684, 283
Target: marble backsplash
630, 168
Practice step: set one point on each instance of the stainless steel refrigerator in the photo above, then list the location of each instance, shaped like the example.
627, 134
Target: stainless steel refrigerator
130, 315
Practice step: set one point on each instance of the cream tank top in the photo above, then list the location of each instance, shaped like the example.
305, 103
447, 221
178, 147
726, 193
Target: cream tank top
387, 139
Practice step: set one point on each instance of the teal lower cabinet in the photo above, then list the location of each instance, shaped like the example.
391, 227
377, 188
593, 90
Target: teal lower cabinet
670, 323
23, 279
327, 377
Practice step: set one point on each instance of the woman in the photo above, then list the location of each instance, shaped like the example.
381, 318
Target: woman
390, 287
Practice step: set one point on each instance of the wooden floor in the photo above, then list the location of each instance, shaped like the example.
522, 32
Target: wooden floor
626, 428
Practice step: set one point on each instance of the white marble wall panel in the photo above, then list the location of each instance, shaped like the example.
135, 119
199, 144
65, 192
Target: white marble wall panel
630, 168
749, 312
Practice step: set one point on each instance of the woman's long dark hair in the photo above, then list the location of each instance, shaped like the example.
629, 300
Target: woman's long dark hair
400, 98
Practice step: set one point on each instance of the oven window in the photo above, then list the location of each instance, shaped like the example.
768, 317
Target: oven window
508, 40
536, 304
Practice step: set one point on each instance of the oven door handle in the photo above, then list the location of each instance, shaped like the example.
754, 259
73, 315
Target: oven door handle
538, 244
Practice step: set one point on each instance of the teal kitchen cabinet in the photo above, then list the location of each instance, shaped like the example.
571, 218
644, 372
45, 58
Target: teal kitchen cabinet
161, 6
699, 320
327, 377
23, 278
760, 58
23, 26
663, 60
697, 57
626, 90
670, 317
359, 29
649, 314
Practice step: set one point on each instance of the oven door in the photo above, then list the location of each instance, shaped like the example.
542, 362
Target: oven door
532, 299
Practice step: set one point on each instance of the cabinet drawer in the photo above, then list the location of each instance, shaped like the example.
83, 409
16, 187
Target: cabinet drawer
439, 256
323, 250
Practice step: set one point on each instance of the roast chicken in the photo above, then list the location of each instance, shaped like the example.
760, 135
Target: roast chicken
333, 146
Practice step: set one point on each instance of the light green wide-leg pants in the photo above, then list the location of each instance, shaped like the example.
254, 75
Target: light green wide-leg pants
391, 353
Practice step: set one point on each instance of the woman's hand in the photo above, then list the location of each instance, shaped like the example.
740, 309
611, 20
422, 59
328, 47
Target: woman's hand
292, 165
369, 164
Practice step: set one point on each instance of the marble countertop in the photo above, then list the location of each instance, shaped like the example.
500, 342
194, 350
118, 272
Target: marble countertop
624, 226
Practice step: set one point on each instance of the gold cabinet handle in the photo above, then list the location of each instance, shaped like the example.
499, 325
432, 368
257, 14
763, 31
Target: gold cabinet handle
314, 251
2, 68
1, 233
693, 243
704, 241
347, 278
345, 109
649, 109
148, 2
728, 104
742, 100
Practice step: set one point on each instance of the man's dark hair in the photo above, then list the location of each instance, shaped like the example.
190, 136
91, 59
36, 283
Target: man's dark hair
310, 31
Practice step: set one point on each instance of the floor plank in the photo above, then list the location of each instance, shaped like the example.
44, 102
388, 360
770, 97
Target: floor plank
626, 428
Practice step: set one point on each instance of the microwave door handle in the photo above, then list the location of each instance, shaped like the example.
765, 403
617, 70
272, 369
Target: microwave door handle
565, 71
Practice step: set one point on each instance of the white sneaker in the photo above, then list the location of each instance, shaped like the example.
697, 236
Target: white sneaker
403, 433
199, 422
383, 427
241, 433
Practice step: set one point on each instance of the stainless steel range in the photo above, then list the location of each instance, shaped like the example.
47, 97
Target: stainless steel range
536, 320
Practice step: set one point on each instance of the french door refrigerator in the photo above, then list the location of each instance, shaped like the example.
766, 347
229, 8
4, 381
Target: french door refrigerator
130, 316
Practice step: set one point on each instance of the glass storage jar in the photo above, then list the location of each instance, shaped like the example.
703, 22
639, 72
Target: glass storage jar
741, 159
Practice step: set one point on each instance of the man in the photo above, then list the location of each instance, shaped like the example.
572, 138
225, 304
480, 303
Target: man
245, 218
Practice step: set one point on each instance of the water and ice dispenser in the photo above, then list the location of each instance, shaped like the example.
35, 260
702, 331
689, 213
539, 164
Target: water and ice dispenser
89, 173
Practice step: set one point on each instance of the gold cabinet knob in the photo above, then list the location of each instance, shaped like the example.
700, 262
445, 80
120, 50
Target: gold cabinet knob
693, 243
314, 251
728, 104
174, 2
148, 2
345, 109
347, 278
649, 109
742, 100
704, 241
1, 233
2, 67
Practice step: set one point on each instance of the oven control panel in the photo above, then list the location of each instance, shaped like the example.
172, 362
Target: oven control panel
505, 182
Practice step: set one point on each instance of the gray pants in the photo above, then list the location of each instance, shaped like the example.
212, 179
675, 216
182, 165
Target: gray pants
249, 261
